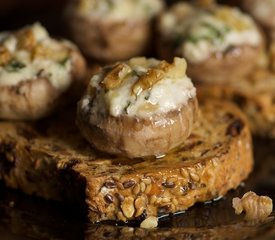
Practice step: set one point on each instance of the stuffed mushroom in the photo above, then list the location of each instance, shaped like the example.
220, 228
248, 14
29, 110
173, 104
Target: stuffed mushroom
35, 71
218, 42
142, 107
263, 12
111, 30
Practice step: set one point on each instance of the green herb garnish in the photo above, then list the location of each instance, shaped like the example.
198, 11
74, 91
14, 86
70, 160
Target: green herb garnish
214, 34
64, 61
14, 66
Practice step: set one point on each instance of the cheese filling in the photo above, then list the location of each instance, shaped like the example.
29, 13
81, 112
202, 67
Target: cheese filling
202, 33
30, 53
120, 9
146, 88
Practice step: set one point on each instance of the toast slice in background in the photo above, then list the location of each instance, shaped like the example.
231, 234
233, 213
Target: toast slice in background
254, 94
50, 159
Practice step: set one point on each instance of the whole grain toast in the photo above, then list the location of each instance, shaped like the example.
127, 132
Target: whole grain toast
254, 94
50, 159
203, 222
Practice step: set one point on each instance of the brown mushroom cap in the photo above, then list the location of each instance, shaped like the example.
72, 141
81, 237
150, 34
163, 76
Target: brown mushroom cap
134, 137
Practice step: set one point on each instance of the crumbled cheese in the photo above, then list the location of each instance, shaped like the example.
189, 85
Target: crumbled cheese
10, 42
203, 33
39, 32
24, 66
169, 93
120, 9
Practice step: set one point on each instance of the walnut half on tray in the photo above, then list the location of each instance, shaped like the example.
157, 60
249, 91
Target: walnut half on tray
256, 208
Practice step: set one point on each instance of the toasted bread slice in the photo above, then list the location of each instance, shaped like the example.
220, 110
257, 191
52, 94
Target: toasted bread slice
255, 95
51, 159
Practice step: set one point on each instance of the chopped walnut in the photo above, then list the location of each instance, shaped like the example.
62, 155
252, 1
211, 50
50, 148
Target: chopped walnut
147, 80
43, 51
149, 72
116, 76
26, 39
256, 208
164, 69
5, 55
149, 222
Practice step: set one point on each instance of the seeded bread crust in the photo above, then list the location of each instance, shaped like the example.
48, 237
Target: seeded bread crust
254, 94
51, 159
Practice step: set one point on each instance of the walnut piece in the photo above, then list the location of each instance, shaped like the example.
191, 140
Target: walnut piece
149, 222
5, 55
147, 80
41, 50
177, 69
256, 208
147, 72
116, 76
26, 39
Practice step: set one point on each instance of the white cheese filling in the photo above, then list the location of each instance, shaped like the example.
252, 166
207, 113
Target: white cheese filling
22, 67
204, 33
120, 9
57, 74
166, 95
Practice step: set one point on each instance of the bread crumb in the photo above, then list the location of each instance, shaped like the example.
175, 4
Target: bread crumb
149, 222
11, 204
256, 208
